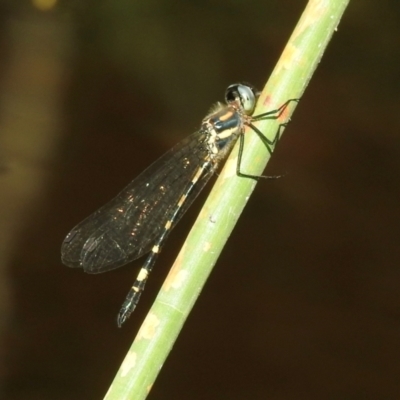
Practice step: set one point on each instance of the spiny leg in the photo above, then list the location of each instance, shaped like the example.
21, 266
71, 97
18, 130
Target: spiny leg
274, 114
133, 296
268, 143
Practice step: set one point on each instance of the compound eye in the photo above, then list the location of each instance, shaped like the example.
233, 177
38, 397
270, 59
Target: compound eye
244, 94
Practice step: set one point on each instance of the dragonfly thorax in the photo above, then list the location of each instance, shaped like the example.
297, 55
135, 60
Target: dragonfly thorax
222, 127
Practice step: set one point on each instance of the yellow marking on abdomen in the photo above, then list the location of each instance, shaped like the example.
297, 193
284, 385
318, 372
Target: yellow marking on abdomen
168, 225
198, 174
182, 200
142, 275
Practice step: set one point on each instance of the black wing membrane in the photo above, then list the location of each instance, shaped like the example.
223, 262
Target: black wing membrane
126, 228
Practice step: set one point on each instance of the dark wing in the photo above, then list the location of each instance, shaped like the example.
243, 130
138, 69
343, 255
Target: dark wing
127, 227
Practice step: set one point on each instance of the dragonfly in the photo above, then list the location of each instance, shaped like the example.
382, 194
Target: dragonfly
139, 219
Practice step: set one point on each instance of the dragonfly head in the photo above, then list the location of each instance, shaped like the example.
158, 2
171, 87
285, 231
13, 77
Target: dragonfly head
242, 95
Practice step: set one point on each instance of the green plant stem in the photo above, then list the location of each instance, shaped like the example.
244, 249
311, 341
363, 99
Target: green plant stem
224, 205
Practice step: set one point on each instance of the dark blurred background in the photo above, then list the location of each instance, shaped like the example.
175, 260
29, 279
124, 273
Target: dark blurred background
304, 302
